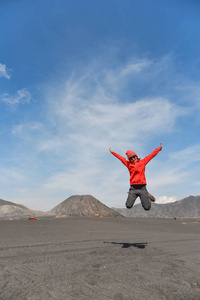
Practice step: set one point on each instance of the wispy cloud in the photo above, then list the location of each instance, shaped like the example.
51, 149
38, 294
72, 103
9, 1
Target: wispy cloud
115, 79
22, 97
135, 67
94, 120
187, 155
25, 129
4, 71
190, 91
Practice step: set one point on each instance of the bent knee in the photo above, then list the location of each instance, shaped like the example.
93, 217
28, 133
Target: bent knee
147, 208
129, 206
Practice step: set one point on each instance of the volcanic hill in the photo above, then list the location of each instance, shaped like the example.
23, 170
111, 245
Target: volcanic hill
83, 205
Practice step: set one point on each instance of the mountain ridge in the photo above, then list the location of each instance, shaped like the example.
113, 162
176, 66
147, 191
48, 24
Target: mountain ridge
188, 207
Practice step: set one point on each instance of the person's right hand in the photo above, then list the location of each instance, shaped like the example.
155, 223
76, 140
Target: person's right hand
110, 149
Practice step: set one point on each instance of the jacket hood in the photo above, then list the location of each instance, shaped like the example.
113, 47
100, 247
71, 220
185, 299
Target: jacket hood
130, 153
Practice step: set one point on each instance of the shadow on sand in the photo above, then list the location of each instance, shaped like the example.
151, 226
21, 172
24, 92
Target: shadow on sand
128, 245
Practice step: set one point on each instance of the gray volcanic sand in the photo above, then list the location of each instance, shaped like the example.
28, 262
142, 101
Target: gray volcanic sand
100, 258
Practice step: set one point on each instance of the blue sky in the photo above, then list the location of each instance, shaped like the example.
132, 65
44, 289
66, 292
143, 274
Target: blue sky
78, 77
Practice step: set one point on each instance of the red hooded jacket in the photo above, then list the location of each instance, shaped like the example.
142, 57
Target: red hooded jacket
137, 169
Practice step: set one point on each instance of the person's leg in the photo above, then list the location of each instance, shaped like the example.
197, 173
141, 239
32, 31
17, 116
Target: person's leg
145, 201
131, 197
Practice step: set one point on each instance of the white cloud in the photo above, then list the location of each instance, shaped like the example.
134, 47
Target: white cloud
3, 71
115, 79
134, 67
22, 96
166, 199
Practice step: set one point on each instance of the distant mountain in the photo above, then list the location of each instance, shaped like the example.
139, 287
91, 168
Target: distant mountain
84, 205
4, 202
188, 207
12, 211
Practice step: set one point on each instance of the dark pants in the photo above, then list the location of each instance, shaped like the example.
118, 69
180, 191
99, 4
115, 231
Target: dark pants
138, 191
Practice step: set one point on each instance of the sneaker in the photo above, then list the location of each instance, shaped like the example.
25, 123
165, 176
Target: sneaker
151, 197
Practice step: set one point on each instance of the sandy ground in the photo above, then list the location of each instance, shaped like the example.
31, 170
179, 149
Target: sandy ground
100, 258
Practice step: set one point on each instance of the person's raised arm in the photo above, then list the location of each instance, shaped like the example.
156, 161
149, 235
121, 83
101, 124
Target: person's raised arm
154, 153
123, 159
